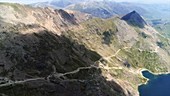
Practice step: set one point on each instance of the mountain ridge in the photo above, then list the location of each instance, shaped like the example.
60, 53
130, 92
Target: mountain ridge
89, 56
107, 9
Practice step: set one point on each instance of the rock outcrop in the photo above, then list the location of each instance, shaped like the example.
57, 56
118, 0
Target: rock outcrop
135, 19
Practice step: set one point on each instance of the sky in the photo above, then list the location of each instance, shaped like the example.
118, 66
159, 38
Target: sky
146, 1
136, 1
23, 1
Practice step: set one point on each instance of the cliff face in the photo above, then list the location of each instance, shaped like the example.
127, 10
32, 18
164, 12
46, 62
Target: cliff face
47, 52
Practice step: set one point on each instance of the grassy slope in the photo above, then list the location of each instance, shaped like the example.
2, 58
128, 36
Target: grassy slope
92, 35
164, 29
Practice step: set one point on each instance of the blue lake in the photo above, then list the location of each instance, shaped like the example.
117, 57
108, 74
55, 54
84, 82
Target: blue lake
158, 85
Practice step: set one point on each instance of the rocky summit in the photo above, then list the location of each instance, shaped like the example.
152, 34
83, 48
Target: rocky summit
57, 52
135, 19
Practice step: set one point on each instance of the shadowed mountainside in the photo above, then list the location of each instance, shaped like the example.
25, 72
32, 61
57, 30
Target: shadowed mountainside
45, 55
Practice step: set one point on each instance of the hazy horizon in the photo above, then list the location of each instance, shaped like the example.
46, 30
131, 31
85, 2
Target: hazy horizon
134, 1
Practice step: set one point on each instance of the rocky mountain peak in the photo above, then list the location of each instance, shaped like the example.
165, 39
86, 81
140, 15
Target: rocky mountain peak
134, 19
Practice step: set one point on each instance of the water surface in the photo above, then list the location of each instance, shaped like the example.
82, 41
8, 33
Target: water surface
158, 85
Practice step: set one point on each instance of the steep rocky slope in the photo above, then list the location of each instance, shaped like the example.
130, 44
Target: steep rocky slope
134, 19
47, 52
54, 20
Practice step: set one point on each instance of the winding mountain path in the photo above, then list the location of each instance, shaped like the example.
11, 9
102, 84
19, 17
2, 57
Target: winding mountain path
101, 66
19, 82
114, 55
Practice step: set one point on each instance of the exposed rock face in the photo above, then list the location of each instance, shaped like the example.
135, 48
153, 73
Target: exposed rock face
67, 17
135, 19
47, 52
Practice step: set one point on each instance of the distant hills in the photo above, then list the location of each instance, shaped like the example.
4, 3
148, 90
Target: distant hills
110, 8
107, 8
103, 9
58, 3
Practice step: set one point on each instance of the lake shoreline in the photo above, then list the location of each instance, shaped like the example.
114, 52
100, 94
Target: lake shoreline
144, 69
155, 84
